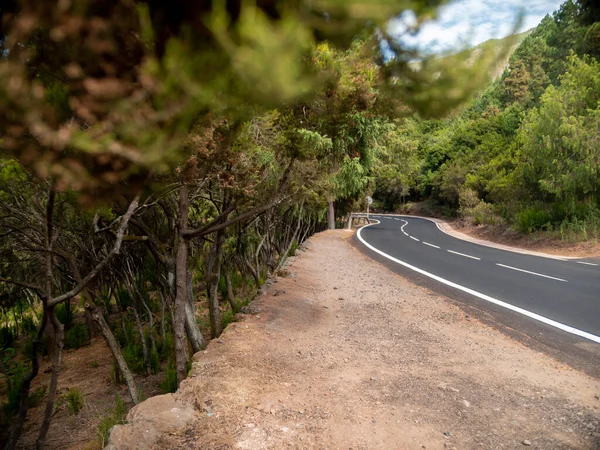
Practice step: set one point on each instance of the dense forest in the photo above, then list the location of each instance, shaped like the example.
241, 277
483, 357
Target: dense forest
159, 163
524, 152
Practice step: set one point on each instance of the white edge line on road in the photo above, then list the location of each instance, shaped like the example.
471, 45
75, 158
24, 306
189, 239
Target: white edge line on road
487, 298
586, 263
431, 245
466, 256
414, 238
506, 248
532, 273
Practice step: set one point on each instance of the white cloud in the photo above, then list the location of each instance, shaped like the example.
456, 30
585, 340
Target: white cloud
464, 23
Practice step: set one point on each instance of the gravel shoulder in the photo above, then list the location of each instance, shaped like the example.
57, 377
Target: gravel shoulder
344, 353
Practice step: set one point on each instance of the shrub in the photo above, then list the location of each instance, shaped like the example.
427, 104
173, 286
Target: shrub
293, 248
75, 400
227, 317
154, 362
28, 325
64, 314
169, 383
76, 336
94, 364
483, 214
532, 219
116, 416
14, 372
134, 357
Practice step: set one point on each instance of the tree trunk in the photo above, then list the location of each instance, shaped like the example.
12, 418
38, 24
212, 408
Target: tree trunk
181, 269
56, 367
230, 294
140, 328
212, 284
330, 215
191, 325
112, 343
283, 255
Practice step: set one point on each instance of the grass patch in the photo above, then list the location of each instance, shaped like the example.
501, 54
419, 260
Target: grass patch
116, 416
75, 400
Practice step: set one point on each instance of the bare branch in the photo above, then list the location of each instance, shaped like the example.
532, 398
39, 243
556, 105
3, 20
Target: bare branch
114, 251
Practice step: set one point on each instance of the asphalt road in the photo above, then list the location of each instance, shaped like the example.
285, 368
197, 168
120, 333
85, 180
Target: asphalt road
562, 294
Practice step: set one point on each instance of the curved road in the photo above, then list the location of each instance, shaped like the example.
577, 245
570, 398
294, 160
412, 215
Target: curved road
562, 293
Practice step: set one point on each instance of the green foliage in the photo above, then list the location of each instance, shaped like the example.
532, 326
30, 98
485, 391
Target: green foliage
75, 400
115, 416
76, 336
532, 219
64, 314
14, 372
526, 147
169, 382
227, 317
293, 248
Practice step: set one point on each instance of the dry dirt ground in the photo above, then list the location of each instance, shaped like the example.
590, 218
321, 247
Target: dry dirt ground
343, 353
89, 370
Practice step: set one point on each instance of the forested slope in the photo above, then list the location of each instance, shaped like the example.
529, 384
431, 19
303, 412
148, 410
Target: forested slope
525, 151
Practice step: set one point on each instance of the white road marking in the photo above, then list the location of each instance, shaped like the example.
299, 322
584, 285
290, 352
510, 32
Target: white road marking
586, 263
414, 238
466, 256
532, 273
431, 245
396, 219
487, 298
405, 233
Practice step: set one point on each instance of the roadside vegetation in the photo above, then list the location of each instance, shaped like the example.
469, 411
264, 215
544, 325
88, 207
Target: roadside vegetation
524, 152
157, 168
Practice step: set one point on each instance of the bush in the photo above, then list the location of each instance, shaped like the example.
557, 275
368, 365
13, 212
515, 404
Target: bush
64, 314
532, 219
169, 383
14, 372
76, 337
115, 416
293, 248
75, 400
134, 357
483, 214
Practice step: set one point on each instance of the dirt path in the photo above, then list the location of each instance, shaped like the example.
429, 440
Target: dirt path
345, 354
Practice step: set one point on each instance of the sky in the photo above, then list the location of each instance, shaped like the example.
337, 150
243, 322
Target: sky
466, 23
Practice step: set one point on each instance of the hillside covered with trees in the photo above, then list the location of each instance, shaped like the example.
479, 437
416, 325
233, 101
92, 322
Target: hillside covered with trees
524, 152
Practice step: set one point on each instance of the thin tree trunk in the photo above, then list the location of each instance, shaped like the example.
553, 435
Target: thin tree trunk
151, 320
140, 327
212, 284
191, 325
113, 345
283, 256
181, 269
230, 294
56, 367
330, 215
163, 318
